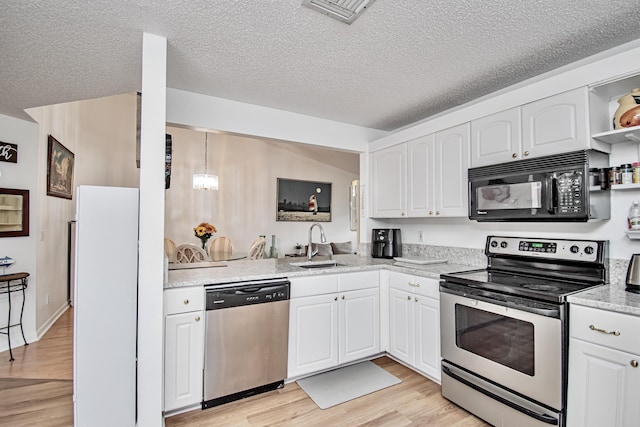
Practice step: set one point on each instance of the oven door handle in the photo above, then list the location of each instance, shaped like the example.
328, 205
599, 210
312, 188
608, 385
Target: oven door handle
476, 293
547, 419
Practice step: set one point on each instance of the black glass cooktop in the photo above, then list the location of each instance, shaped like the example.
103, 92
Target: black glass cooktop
541, 288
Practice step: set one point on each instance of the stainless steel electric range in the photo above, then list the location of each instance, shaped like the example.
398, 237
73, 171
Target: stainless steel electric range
504, 329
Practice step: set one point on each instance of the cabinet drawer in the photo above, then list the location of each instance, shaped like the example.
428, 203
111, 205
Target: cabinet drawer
183, 300
613, 330
359, 280
402, 281
315, 285
427, 287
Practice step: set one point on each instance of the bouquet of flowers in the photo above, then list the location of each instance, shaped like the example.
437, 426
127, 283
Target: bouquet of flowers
203, 231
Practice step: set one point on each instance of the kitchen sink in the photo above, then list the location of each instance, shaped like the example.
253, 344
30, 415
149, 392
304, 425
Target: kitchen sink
317, 264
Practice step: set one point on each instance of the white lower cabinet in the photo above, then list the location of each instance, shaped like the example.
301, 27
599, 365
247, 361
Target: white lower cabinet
184, 347
604, 376
339, 326
313, 334
414, 322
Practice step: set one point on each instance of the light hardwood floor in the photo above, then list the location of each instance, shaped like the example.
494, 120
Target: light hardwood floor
36, 390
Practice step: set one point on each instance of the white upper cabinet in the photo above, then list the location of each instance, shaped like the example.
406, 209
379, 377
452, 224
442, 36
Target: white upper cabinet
425, 177
388, 182
496, 138
557, 124
421, 175
451, 165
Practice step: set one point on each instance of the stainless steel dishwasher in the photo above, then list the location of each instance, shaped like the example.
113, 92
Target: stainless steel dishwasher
247, 338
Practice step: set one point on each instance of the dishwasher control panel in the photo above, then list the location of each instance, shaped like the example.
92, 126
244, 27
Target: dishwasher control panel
246, 293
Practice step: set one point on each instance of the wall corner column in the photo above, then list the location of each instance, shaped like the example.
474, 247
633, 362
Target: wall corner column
151, 219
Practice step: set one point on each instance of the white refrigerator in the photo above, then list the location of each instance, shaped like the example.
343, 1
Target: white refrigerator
105, 306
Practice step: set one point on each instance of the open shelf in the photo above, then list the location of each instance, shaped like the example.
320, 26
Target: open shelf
631, 134
625, 187
633, 234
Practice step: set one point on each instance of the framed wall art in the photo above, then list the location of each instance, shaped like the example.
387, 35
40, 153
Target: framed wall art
303, 200
59, 170
14, 212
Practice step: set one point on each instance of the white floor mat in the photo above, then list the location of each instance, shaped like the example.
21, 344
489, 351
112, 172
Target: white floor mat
344, 384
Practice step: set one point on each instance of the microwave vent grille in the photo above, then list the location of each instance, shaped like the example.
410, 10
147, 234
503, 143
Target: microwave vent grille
546, 163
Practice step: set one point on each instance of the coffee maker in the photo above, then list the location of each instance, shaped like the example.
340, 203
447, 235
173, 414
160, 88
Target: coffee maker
386, 243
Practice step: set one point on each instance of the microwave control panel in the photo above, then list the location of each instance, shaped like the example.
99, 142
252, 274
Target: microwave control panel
570, 187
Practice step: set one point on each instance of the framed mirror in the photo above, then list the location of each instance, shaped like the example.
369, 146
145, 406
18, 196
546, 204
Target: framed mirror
14, 212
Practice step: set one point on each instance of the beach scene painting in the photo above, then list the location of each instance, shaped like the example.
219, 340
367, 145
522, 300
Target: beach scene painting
303, 200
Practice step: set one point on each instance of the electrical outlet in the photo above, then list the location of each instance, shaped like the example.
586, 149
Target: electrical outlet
420, 237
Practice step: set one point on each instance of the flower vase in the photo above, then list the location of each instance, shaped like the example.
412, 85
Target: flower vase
204, 243
274, 251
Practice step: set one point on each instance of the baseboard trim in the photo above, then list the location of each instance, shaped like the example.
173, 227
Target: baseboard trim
49, 323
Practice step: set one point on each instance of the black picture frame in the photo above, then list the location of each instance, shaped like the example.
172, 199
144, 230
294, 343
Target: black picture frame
60, 162
294, 200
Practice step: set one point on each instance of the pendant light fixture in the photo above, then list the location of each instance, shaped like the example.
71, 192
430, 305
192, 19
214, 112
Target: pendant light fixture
204, 181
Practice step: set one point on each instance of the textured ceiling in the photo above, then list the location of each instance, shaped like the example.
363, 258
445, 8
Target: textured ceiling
401, 61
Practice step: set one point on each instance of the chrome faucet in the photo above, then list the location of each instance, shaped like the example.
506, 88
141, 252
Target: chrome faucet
311, 253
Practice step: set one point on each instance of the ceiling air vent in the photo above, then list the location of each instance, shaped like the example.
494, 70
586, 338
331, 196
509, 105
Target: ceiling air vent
343, 10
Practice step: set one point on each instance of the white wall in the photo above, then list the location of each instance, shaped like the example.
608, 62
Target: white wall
22, 249
102, 135
245, 204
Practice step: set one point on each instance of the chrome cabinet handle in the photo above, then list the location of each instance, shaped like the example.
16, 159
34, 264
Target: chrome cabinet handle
409, 297
514, 155
526, 153
335, 299
430, 212
197, 318
342, 296
614, 333
437, 212
186, 301
634, 363
416, 299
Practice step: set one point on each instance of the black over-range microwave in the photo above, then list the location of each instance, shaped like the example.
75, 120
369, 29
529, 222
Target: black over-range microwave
550, 188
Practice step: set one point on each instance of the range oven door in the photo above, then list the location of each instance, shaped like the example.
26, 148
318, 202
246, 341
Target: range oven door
517, 349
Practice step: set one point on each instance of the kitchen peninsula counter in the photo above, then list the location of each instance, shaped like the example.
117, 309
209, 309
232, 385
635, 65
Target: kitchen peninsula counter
242, 270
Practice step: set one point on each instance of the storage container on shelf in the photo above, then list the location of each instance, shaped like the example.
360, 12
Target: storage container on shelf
633, 219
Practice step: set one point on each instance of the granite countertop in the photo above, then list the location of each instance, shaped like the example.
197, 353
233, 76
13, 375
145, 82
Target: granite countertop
611, 297
242, 270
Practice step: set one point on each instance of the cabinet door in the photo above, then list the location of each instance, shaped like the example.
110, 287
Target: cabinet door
452, 164
388, 181
496, 138
420, 176
313, 334
603, 386
183, 364
401, 325
427, 358
359, 324
557, 124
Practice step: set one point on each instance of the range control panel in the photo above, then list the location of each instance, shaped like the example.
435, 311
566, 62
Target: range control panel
577, 250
